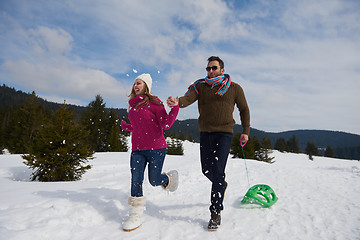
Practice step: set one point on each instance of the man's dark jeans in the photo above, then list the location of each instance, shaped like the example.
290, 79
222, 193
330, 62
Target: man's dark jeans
214, 151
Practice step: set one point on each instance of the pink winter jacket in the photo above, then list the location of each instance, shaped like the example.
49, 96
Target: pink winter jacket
147, 124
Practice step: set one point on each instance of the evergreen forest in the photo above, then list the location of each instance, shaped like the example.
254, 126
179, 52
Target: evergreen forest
23, 115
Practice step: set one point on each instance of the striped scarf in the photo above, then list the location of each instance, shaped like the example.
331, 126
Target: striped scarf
223, 80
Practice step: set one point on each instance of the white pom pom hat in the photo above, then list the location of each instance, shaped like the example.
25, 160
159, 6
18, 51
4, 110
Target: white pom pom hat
147, 79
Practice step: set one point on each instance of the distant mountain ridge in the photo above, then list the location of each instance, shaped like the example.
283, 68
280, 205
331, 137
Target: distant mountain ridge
322, 138
345, 145
11, 96
337, 140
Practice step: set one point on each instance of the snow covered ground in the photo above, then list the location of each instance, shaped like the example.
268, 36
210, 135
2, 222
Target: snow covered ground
318, 199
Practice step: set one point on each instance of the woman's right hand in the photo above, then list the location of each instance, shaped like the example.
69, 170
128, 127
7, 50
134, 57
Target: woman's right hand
172, 102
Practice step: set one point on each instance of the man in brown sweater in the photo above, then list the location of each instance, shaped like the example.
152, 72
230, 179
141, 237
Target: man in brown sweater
217, 96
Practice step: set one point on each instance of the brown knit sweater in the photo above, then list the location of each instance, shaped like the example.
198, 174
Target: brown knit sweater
216, 112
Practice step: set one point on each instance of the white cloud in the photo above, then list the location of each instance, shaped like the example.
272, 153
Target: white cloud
66, 81
322, 18
213, 20
54, 41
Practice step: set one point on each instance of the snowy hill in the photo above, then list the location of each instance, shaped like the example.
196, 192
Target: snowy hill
317, 200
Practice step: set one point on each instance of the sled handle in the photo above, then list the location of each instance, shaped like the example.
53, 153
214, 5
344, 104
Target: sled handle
242, 144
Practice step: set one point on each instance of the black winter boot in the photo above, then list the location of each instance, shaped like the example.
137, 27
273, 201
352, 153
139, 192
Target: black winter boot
214, 222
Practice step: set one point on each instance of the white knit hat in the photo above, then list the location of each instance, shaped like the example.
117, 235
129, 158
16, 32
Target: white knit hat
147, 79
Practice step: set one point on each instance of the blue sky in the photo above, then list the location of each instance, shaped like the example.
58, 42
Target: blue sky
298, 61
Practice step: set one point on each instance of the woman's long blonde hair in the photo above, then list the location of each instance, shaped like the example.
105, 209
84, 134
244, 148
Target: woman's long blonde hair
148, 97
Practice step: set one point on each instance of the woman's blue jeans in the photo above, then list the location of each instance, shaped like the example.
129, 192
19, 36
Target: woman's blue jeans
214, 152
138, 161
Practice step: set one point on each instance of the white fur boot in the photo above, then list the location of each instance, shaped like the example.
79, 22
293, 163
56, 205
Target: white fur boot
173, 181
134, 221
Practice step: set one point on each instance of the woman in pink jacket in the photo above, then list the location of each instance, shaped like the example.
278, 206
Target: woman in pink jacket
148, 118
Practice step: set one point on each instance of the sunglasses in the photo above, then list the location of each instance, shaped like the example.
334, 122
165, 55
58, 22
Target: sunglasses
211, 68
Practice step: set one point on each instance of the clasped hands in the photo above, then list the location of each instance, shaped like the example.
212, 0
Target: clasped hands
172, 102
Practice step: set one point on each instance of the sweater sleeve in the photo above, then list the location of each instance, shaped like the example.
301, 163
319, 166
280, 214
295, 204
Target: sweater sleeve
188, 99
242, 105
166, 120
126, 127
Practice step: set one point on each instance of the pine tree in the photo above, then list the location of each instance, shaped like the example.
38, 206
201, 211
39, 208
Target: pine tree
257, 144
293, 145
311, 150
329, 152
2, 129
265, 150
264, 155
24, 123
280, 145
174, 147
116, 141
58, 152
95, 118
266, 143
